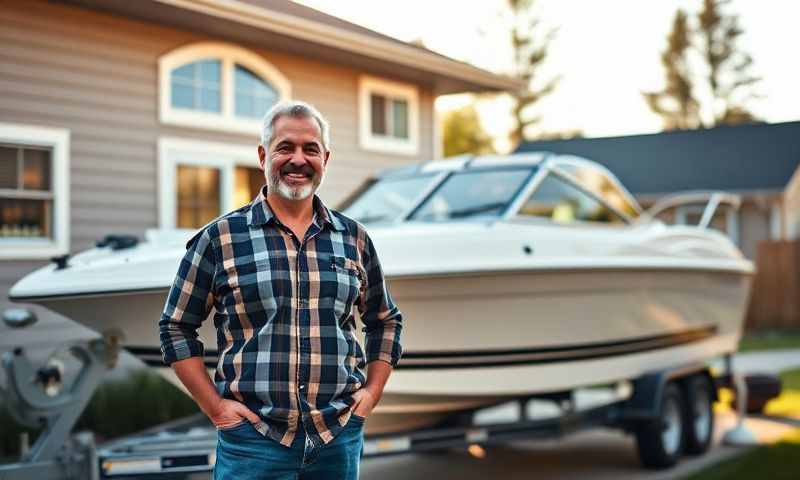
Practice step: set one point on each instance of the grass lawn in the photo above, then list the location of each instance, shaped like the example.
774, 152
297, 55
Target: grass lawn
780, 460
773, 340
776, 462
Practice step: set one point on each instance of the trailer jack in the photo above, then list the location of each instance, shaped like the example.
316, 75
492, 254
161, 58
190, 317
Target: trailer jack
36, 398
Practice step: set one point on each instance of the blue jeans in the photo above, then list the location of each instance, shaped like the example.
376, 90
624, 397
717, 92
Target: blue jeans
245, 454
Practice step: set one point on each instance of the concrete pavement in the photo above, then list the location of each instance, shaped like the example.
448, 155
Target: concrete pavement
596, 454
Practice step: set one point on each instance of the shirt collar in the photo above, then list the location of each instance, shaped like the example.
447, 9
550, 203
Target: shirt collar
260, 212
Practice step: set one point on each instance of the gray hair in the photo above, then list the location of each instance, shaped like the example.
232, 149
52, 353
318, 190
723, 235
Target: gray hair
296, 109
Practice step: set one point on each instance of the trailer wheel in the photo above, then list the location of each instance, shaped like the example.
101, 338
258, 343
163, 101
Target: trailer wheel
699, 418
660, 441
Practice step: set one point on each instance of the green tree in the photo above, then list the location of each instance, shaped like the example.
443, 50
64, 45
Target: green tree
728, 76
709, 45
676, 103
530, 46
462, 133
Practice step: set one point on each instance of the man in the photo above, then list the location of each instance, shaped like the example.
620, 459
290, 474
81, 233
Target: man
282, 275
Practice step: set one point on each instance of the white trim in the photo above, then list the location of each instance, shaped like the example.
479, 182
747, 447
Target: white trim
775, 223
732, 224
58, 139
228, 55
225, 156
392, 90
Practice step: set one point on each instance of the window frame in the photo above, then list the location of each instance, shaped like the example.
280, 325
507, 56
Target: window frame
228, 55
569, 160
58, 140
367, 86
173, 151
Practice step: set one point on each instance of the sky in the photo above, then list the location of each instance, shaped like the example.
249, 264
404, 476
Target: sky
605, 52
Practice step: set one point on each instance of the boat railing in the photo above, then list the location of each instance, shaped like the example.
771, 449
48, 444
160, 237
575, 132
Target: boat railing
713, 200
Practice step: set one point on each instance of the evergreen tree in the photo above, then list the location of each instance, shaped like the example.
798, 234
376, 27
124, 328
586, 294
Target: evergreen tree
676, 104
728, 76
530, 51
726, 84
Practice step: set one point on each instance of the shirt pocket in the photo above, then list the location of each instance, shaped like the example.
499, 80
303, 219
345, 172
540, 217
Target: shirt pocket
248, 287
342, 283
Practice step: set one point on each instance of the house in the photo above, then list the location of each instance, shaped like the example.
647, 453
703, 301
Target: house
759, 162
117, 116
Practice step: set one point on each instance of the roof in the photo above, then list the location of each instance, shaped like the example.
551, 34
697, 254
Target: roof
735, 158
312, 14
288, 27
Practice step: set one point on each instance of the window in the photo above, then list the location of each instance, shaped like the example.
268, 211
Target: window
218, 86
254, 96
389, 116
200, 181
34, 191
196, 86
559, 201
197, 191
473, 195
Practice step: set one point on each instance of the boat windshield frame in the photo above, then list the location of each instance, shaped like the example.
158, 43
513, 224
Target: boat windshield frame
549, 168
537, 172
532, 171
580, 162
437, 176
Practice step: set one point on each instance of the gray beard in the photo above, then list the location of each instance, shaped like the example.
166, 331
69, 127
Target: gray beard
276, 184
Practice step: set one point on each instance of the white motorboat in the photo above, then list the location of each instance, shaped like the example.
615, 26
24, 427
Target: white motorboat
516, 275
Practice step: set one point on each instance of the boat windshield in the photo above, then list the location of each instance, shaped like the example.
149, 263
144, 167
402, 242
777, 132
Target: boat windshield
387, 199
473, 194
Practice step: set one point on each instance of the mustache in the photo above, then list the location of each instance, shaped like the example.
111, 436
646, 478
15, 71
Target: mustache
303, 169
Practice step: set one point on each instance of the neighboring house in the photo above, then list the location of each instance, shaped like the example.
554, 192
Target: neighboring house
117, 116
759, 162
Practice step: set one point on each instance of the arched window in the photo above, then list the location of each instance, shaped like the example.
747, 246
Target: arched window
218, 86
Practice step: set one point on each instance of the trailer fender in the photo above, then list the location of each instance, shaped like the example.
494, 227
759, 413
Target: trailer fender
648, 390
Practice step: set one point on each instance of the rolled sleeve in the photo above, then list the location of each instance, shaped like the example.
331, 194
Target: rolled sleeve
382, 320
189, 302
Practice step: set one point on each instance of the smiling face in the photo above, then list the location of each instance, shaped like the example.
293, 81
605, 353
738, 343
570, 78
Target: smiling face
294, 165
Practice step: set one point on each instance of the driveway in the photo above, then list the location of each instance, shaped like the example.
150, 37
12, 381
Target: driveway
596, 454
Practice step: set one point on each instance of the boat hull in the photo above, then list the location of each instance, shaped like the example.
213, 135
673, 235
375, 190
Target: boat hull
476, 339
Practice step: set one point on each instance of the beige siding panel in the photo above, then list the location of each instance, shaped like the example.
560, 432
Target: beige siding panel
101, 130
20, 45
88, 28
93, 116
103, 81
113, 164
133, 183
53, 90
89, 147
110, 195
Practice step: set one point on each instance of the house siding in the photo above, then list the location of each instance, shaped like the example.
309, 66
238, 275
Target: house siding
753, 228
791, 207
96, 75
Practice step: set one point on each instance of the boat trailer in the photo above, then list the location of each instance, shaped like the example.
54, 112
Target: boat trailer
189, 445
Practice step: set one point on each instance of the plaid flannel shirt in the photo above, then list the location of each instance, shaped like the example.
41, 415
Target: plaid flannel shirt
283, 310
